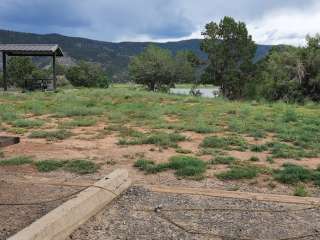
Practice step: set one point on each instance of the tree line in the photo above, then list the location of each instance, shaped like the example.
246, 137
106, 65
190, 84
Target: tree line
287, 73
83, 74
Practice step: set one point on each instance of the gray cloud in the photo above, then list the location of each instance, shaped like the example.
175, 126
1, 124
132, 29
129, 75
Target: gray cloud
149, 20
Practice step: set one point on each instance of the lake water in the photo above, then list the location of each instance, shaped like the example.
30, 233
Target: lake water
205, 92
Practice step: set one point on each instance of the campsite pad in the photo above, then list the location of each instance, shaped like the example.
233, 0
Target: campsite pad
141, 214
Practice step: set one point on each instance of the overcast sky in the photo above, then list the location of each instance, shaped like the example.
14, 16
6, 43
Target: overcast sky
269, 21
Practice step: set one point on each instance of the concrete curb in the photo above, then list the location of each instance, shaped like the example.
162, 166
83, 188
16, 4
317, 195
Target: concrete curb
62, 221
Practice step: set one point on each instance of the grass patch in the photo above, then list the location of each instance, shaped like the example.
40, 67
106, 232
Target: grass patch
183, 151
74, 110
49, 165
81, 167
226, 143
259, 148
144, 164
293, 174
184, 166
226, 160
270, 160
81, 122
26, 123
290, 115
51, 135
16, 161
214, 142
159, 139
282, 150
300, 191
240, 172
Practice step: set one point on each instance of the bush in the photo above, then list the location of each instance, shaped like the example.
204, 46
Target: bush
87, 74
19, 68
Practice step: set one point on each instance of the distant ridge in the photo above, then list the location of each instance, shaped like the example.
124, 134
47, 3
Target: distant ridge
113, 56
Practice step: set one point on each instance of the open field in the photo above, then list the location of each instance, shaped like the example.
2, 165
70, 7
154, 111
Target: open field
83, 134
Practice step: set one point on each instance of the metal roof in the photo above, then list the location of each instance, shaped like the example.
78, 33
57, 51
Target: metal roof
31, 49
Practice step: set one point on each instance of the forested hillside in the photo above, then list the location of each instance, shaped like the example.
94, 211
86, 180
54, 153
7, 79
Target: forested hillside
113, 56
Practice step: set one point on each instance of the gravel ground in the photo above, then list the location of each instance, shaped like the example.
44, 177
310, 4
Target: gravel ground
133, 216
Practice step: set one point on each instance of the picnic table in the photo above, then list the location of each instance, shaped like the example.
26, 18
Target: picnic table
8, 141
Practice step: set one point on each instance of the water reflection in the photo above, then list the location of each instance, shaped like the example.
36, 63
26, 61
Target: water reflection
204, 92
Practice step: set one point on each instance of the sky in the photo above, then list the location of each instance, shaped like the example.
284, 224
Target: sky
268, 21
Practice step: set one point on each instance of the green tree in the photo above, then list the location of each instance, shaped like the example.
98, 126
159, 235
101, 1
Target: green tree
231, 51
309, 71
19, 68
185, 66
277, 75
291, 73
87, 74
154, 68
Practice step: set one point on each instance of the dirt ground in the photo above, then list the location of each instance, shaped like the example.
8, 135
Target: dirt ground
141, 214
116, 223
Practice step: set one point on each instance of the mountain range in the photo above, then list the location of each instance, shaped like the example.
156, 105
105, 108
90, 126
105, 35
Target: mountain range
113, 56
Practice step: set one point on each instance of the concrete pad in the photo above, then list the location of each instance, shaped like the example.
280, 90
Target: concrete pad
61, 222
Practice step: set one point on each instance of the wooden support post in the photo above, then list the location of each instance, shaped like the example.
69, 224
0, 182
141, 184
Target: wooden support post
4, 62
54, 71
